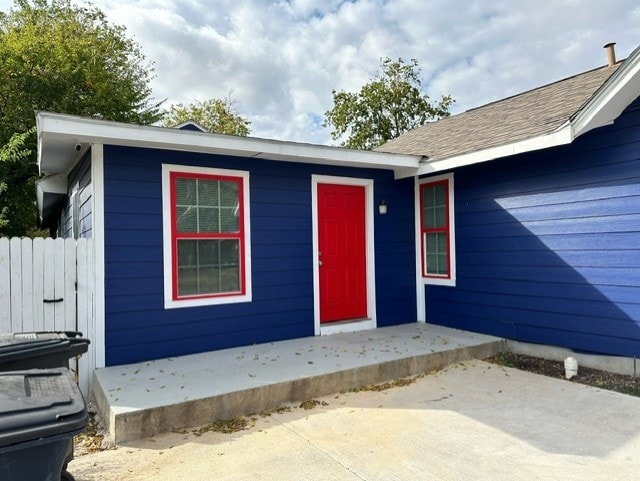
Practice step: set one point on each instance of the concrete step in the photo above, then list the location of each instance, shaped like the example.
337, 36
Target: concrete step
144, 399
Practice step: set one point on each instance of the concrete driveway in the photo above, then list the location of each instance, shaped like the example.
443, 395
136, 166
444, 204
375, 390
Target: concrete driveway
472, 421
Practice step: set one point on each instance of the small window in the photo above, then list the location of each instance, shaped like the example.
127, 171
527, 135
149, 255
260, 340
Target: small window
208, 237
436, 230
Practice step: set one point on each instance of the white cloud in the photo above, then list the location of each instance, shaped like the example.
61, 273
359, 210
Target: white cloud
281, 59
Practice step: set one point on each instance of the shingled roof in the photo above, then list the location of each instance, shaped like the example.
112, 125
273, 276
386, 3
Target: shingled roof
548, 116
523, 116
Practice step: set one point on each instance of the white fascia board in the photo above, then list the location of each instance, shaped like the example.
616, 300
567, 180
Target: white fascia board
56, 130
562, 135
612, 98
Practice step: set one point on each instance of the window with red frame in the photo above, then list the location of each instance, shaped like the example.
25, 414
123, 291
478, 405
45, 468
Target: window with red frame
207, 235
435, 229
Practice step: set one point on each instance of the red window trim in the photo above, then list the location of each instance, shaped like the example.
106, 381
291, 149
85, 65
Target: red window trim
175, 235
446, 229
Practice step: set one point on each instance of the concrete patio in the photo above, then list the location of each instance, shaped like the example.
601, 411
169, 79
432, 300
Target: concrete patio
145, 399
472, 421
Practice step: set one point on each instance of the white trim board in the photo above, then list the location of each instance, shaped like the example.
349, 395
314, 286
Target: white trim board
97, 209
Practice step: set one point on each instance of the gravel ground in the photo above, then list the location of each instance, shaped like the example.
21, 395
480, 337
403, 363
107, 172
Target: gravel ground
592, 377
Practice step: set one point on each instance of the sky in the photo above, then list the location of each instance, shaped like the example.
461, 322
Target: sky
281, 60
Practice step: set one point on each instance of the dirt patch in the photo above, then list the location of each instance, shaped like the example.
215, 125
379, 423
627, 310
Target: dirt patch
312, 403
94, 438
591, 377
405, 381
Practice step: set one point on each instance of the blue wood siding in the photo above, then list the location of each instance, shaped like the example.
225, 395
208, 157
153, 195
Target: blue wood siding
548, 245
77, 209
137, 325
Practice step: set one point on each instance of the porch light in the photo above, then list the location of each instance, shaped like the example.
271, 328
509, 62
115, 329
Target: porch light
382, 207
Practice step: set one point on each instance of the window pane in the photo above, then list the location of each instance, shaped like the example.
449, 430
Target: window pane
208, 266
443, 264
440, 217
229, 220
230, 280
440, 202
187, 281
186, 191
209, 252
210, 280
427, 207
208, 219
440, 194
434, 205
436, 254
207, 193
187, 219
207, 206
228, 194
187, 253
229, 255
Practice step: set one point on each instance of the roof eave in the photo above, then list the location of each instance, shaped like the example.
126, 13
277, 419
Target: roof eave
560, 136
62, 139
602, 109
611, 99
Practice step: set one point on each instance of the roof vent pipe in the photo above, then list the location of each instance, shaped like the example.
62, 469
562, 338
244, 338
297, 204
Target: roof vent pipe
611, 53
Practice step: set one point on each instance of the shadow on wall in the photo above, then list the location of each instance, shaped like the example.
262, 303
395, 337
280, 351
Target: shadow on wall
550, 256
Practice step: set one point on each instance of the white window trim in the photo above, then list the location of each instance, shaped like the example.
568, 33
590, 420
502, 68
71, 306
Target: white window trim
348, 326
435, 281
169, 302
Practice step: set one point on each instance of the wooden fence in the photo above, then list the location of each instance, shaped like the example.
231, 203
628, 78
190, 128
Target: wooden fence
47, 285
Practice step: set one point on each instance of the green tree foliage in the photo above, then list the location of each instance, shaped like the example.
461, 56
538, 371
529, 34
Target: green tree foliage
60, 57
16, 193
385, 108
215, 115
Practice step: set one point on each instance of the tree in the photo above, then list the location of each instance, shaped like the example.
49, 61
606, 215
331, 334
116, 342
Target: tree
15, 195
385, 108
61, 57
215, 115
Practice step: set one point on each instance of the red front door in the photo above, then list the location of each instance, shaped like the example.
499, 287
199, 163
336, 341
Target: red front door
342, 252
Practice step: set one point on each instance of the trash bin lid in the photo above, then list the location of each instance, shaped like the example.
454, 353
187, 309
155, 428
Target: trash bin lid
25, 345
39, 403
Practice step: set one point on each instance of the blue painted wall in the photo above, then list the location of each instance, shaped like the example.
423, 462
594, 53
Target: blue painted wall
137, 325
548, 245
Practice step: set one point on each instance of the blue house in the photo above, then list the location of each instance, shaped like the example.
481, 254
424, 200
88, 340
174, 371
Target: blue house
519, 219
206, 241
538, 240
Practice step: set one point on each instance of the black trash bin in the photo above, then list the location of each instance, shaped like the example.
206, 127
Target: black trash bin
40, 350
40, 412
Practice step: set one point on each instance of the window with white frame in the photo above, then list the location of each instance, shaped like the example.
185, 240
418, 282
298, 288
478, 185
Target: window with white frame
437, 239
206, 245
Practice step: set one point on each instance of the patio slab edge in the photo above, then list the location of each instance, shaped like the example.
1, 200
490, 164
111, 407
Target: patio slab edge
141, 423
